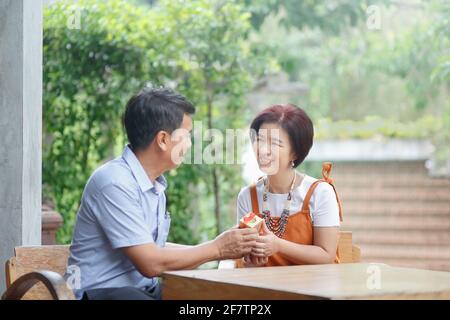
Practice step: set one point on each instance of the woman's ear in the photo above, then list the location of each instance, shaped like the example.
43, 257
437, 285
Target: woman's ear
162, 139
293, 158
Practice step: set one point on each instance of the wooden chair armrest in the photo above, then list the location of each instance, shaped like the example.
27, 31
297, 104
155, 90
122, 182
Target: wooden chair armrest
53, 281
356, 253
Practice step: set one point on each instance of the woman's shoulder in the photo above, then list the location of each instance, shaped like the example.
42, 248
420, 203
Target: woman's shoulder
244, 201
324, 205
322, 187
307, 180
322, 192
325, 189
244, 192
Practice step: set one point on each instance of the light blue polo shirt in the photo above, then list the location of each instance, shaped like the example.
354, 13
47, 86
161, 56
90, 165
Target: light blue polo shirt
120, 207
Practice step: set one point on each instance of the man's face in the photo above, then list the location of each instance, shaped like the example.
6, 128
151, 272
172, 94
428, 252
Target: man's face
180, 142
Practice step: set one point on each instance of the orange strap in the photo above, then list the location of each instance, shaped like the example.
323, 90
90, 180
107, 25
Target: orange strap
305, 207
326, 169
254, 197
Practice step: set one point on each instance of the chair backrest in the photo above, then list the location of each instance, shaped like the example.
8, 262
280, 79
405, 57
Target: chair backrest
28, 259
348, 253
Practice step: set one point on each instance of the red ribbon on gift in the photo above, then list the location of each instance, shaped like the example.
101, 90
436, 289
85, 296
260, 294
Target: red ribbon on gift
250, 217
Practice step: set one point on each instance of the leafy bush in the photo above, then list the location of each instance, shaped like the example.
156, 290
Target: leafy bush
370, 127
89, 73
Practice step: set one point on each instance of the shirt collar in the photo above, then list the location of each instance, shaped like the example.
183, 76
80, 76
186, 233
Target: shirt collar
140, 175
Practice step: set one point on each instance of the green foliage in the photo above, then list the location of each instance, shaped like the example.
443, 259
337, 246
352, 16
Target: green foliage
361, 84
392, 82
354, 71
372, 126
441, 74
88, 75
197, 47
216, 75
329, 16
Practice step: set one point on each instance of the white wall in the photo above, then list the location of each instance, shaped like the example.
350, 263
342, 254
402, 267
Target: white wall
20, 126
377, 149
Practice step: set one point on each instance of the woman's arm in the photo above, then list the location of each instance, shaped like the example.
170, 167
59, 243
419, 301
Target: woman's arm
322, 251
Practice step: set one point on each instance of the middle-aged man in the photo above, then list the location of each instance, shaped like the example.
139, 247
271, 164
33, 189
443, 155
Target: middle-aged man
119, 246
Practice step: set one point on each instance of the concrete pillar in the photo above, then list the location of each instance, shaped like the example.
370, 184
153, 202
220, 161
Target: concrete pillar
20, 126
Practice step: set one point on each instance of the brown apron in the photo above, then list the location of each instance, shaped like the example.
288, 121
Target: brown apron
299, 228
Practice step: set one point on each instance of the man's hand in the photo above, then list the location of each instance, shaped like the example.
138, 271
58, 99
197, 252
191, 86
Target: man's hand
235, 243
267, 243
251, 261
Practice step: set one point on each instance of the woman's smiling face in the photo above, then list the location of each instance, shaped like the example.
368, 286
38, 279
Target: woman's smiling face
272, 148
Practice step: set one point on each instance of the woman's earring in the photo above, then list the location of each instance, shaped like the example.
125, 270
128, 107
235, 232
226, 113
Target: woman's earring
292, 164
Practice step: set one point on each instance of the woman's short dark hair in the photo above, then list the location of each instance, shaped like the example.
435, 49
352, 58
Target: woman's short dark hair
294, 121
153, 110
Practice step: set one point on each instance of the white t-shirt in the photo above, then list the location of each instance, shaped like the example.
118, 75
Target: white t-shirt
323, 204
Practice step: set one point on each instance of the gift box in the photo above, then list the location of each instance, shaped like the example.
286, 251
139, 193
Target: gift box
251, 220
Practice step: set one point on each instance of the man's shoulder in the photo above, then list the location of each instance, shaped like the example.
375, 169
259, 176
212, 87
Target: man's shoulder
115, 172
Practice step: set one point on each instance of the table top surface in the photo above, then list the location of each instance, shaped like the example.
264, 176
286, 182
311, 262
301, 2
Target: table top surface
332, 281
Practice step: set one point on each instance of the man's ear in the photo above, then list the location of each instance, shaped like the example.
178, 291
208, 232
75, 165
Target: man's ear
162, 139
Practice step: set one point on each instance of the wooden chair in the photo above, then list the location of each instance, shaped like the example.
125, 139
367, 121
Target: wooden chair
36, 273
348, 252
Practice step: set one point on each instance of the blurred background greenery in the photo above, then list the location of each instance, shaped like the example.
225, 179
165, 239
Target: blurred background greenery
354, 80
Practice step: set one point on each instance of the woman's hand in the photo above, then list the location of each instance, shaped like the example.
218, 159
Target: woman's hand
267, 243
251, 261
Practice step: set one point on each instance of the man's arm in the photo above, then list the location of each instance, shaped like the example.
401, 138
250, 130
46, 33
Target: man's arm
177, 245
152, 260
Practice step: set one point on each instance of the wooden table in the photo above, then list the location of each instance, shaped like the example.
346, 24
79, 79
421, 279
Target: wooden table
332, 281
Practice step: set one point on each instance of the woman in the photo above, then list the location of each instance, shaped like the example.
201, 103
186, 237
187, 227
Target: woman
302, 214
